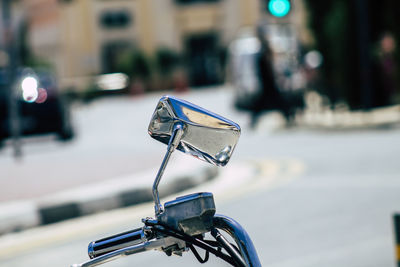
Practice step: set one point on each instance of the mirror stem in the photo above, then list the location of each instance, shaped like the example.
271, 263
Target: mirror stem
173, 143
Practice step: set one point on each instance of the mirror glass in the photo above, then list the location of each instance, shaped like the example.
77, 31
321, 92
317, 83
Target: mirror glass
206, 136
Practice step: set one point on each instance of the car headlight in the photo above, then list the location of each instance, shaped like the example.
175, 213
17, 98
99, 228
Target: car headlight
29, 87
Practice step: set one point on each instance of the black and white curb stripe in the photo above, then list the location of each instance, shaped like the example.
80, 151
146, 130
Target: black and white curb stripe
17, 216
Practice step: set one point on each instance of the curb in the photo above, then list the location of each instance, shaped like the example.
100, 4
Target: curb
180, 175
345, 119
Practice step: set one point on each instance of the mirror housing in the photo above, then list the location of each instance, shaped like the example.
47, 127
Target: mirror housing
206, 135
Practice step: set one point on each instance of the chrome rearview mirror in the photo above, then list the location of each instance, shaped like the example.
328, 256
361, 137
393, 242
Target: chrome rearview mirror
206, 135
193, 130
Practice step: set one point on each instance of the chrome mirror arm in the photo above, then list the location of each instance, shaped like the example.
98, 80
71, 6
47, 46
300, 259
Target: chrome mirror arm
172, 145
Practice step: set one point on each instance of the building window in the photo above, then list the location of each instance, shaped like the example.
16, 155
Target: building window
115, 19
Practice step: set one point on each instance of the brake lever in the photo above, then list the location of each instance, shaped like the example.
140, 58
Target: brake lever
154, 244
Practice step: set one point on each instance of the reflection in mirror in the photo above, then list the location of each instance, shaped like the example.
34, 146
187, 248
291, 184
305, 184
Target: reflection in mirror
206, 136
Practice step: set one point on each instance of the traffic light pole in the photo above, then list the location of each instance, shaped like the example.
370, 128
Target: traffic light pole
10, 75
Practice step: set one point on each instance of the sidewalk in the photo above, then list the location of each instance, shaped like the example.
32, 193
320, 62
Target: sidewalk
318, 116
182, 174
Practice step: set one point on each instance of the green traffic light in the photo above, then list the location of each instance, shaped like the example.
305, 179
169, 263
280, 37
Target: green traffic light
279, 8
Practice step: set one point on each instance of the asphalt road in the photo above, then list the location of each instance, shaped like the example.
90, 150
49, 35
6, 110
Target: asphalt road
111, 141
322, 198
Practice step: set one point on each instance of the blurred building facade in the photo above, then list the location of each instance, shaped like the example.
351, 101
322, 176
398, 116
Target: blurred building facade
81, 38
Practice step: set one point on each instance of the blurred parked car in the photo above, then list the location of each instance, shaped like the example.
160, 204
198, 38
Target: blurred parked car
107, 84
40, 105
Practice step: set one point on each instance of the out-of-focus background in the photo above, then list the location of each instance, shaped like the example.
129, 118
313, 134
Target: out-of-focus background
315, 178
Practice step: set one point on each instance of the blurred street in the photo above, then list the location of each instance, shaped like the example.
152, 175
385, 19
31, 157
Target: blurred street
111, 141
320, 197
314, 86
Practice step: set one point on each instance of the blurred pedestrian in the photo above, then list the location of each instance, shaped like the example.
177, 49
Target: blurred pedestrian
387, 70
270, 97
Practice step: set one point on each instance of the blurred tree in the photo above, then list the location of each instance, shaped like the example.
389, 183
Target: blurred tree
346, 33
135, 64
26, 57
138, 66
166, 61
329, 21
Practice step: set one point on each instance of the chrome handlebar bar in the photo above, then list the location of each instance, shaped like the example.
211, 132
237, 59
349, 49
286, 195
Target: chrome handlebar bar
144, 245
242, 239
148, 238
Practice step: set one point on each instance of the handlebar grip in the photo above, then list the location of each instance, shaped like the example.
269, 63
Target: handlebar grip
115, 242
